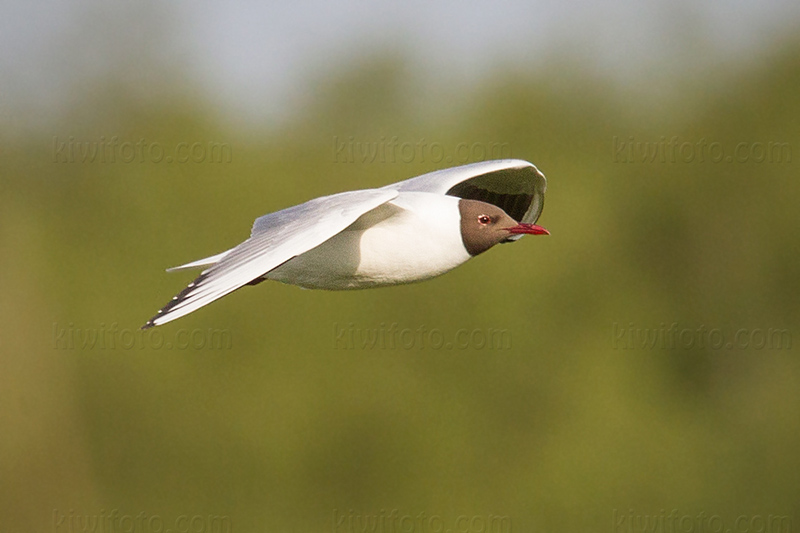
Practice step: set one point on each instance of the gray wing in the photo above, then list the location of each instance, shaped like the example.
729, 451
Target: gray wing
275, 238
515, 186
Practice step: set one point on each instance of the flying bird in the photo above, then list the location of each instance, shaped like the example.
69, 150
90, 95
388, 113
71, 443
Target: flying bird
408, 231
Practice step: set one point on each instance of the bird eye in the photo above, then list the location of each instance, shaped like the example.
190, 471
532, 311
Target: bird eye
484, 219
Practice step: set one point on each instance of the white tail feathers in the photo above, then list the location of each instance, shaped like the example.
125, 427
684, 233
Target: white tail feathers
200, 262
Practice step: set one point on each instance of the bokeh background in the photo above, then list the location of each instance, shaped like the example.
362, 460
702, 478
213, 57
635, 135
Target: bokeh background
254, 414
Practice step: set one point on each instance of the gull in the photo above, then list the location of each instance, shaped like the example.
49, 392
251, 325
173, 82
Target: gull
405, 232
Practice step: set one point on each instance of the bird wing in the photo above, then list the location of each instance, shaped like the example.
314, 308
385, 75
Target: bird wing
275, 239
515, 186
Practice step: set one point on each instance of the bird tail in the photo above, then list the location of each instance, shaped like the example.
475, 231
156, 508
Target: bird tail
200, 262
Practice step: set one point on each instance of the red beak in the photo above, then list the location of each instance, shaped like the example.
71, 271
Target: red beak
531, 229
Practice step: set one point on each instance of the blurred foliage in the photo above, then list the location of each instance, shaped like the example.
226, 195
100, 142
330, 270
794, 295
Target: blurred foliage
284, 427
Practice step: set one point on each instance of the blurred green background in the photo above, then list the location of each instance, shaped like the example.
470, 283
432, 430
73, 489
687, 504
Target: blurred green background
258, 416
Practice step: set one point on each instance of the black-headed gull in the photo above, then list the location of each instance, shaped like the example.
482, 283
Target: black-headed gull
404, 232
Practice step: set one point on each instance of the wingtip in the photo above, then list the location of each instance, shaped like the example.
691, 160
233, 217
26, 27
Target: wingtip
150, 323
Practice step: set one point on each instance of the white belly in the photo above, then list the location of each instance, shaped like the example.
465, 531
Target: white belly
415, 237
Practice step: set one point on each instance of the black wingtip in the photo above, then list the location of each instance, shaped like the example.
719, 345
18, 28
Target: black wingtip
175, 300
152, 322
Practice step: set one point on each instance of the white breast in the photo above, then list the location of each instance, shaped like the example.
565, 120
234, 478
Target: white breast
414, 237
